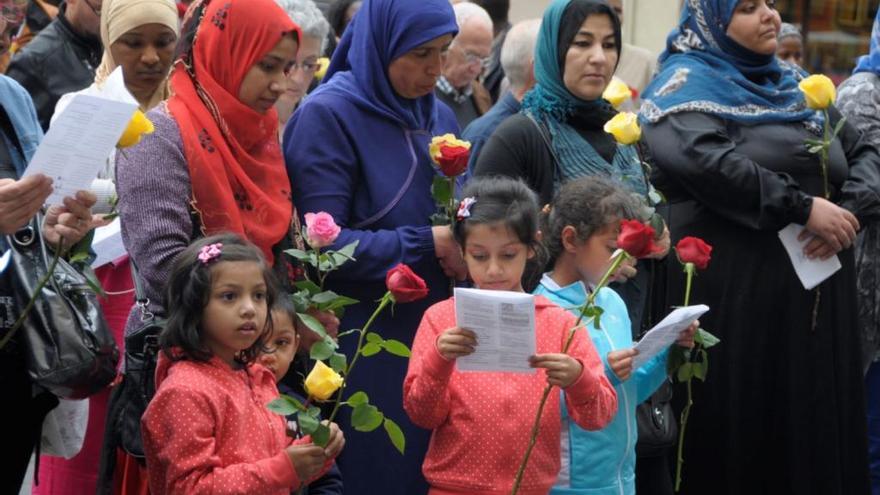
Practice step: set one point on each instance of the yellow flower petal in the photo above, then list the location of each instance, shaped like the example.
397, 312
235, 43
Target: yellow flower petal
323, 65
322, 381
445, 140
138, 126
819, 91
624, 127
617, 92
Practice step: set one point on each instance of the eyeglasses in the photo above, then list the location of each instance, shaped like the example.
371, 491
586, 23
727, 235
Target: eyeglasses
471, 58
307, 67
95, 10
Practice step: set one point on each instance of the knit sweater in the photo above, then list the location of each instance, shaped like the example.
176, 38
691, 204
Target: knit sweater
481, 421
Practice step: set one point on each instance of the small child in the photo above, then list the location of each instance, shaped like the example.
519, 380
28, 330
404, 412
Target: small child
482, 420
208, 430
280, 354
581, 235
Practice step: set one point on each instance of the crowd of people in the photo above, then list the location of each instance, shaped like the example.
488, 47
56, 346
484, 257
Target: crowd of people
266, 110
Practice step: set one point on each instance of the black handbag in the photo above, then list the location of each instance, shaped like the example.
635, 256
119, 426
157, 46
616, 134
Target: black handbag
658, 428
139, 382
68, 346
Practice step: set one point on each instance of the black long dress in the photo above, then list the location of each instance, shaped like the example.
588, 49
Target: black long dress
782, 411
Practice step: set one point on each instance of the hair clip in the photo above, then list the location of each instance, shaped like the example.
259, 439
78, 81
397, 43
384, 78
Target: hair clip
210, 252
464, 208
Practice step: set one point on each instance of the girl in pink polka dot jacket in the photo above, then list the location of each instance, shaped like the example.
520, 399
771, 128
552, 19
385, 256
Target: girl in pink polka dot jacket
207, 430
482, 420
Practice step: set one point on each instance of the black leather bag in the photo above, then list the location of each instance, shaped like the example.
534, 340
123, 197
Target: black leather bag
139, 382
658, 429
67, 343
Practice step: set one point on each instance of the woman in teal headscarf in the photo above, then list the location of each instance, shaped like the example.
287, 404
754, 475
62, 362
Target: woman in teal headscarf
782, 409
858, 99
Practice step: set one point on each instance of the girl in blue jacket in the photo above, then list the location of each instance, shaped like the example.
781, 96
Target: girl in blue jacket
581, 235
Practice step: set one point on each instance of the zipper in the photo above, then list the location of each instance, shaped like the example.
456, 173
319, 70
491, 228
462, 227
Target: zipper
626, 406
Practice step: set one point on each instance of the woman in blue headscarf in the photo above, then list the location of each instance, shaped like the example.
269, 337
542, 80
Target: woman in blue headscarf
782, 410
858, 99
358, 149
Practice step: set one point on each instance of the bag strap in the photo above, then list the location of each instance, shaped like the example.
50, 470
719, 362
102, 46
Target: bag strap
140, 296
548, 141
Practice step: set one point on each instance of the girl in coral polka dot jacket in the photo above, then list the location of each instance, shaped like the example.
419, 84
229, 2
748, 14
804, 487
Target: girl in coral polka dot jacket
482, 420
208, 430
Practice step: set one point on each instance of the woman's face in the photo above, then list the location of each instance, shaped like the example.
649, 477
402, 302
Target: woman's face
267, 79
415, 73
145, 54
591, 58
755, 25
302, 74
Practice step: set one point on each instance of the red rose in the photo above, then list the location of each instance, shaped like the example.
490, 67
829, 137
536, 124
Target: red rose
694, 250
637, 239
405, 286
453, 160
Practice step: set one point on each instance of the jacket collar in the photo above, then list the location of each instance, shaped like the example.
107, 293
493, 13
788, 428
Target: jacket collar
91, 45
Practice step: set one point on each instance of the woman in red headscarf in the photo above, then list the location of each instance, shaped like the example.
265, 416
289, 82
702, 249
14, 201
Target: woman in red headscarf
213, 163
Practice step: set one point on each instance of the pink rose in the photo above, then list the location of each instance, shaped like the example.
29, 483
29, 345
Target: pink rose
321, 230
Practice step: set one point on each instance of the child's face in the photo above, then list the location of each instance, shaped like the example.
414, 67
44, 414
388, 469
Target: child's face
593, 256
284, 342
495, 257
236, 312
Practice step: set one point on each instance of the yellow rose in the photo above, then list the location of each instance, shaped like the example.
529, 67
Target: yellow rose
624, 127
323, 64
818, 91
137, 127
322, 381
617, 93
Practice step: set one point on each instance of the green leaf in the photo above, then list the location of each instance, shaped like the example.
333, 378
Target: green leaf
685, 372
315, 412
677, 357
440, 219
366, 417
374, 338
324, 297
440, 191
302, 301
308, 424
309, 286
701, 368
93, 282
321, 435
705, 338
358, 398
313, 324
321, 350
338, 303
338, 362
395, 434
344, 254
814, 142
815, 149
285, 405
370, 349
838, 127
298, 254
396, 347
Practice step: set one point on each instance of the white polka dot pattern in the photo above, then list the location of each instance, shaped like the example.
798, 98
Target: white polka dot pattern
481, 421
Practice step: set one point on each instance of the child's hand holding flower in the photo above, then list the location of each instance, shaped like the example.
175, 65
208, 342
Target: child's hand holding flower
336, 441
686, 337
562, 369
621, 363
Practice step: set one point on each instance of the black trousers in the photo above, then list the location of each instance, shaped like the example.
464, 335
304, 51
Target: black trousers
21, 414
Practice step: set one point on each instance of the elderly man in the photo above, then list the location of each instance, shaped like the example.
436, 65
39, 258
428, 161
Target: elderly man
636, 65
518, 63
62, 58
468, 55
